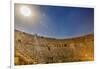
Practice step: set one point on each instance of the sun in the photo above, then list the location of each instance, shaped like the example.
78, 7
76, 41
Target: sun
25, 11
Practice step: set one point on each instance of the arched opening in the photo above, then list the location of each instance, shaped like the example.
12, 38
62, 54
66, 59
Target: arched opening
65, 45
19, 40
49, 48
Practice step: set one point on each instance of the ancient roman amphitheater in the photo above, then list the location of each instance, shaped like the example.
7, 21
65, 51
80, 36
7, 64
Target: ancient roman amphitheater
34, 49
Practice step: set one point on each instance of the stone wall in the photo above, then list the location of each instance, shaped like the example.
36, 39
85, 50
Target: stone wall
33, 49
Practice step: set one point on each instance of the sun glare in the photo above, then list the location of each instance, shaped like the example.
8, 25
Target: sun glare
25, 11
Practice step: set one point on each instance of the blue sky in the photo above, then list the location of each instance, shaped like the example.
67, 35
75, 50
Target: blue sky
58, 22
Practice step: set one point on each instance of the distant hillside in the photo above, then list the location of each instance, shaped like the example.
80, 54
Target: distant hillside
34, 49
